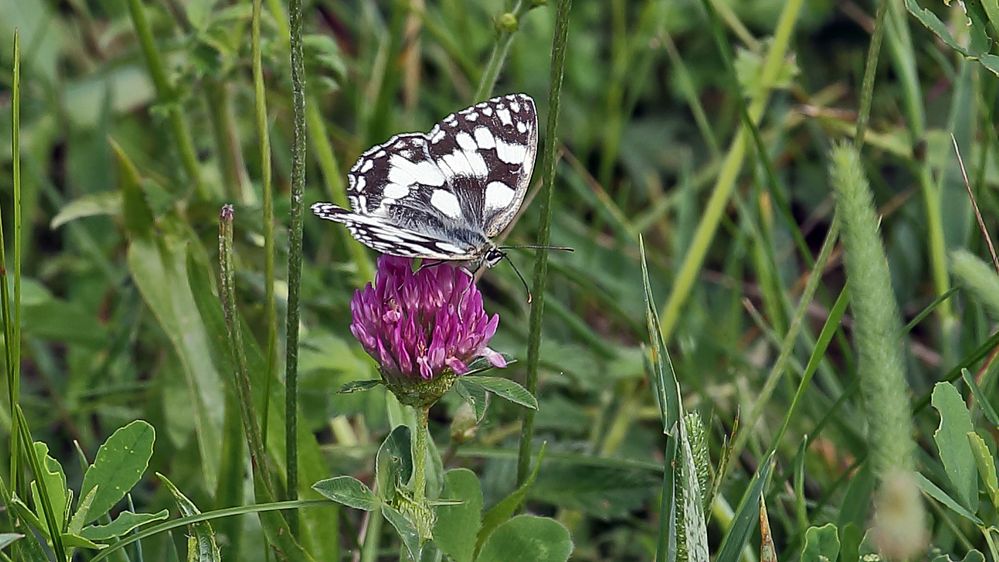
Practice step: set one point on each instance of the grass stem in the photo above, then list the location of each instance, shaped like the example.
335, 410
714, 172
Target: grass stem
559, 40
506, 27
294, 254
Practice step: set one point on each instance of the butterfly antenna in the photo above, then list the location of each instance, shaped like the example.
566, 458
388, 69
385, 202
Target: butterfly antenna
538, 247
522, 280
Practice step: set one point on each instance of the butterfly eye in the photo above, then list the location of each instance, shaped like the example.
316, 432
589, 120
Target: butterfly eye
493, 257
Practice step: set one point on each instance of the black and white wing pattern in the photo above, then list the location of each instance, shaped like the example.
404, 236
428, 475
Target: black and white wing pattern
443, 194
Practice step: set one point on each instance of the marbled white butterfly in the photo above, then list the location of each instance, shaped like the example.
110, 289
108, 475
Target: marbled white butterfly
443, 195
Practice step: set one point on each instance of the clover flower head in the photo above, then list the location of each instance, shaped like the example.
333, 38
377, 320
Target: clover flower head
421, 325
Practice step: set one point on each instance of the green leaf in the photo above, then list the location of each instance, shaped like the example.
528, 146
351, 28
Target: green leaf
201, 545
348, 491
406, 529
604, 492
973, 555
821, 544
89, 205
359, 386
986, 466
977, 48
476, 396
394, 462
693, 512
159, 268
527, 537
502, 511
931, 489
952, 442
83, 507
504, 388
745, 515
981, 399
76, 541
137, 213
55, 485
7, 538
457, 525
25, 513
125, 523
663, 381
119, 465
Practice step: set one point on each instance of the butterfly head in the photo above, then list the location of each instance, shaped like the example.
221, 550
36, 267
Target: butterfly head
493, 256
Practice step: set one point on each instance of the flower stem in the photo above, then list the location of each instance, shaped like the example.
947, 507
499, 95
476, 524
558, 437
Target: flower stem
294, 255
541, 265
420, 456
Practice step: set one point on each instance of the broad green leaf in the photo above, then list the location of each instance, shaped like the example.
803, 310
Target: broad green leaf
504, 510
986, 466
159, 269
359, 386
123, 524
746, 514
951, 438
821, 544
931, 489
201, 546
348, 491
76, 541
394, 462
119, 465
504, 388
605, 492
457, 525
527, 537
476, 396
55, 485
7, 538
406, 529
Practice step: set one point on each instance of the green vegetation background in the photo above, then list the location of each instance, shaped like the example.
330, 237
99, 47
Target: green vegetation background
120, 321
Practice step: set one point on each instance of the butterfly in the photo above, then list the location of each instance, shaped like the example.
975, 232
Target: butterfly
443, 195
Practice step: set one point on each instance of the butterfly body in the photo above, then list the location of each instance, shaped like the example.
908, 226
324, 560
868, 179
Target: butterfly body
444, 194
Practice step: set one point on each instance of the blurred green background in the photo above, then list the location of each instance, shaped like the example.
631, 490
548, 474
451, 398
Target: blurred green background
650, 133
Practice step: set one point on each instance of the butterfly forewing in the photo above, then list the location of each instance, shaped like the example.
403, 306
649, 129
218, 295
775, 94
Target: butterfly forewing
443, 194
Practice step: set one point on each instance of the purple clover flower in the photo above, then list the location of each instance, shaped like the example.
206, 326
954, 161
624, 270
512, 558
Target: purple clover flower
421, 325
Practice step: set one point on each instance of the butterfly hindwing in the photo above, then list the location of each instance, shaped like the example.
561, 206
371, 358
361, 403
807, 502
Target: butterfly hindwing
391, 239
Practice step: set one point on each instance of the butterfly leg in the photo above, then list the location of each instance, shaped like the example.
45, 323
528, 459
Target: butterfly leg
428, 263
